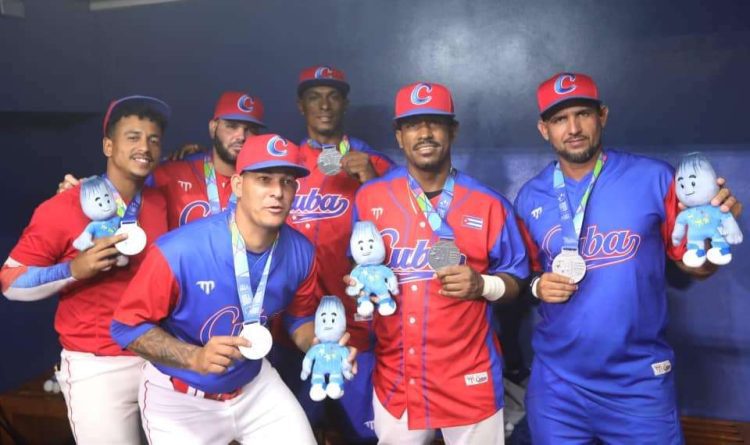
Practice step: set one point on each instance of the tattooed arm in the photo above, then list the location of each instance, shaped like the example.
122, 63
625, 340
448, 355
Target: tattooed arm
157, 346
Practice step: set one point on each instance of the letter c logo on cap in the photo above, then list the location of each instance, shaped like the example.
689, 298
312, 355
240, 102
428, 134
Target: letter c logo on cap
323, 72
273, 146
565, 83
246, 104
420, 95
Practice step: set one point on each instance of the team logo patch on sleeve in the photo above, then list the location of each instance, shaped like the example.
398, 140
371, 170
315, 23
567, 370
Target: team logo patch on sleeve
472, 222
661, 368
476, 379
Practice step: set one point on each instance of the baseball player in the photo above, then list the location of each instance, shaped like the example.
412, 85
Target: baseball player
322, 211
199, 185
199, 307
599, 224
98, 379
455, 247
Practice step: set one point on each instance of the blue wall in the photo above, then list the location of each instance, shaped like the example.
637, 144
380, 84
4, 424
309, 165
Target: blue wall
675, 75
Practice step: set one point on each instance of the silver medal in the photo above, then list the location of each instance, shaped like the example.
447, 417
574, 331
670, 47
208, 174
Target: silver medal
329, 161
570, 264
260, 341
444, 253
136, 241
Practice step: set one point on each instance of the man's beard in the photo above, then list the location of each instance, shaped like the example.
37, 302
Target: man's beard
580, 157
224, 153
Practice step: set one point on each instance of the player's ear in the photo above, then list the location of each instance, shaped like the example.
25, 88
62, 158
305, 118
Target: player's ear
300, 108
212, 125
107, 146
454, 130
603, 114
543, 130
237, 185
399, 138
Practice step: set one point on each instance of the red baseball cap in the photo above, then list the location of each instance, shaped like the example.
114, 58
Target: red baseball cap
157, 105
239, 106
322, 75
563, 87
268, 151
423, 98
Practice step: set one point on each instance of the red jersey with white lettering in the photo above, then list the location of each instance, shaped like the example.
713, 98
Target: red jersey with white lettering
85, 310
322, 211
184, 186
437, 356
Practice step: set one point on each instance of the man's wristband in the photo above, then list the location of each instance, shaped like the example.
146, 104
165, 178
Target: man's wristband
534, 285
494, 287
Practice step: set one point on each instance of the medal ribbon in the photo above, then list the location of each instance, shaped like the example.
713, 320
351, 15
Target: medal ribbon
436, 216
343, 147
212, 190
571, 224
128, 213
252, 305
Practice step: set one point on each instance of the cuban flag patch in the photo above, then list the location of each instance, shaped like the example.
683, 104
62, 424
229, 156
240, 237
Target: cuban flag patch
472, 222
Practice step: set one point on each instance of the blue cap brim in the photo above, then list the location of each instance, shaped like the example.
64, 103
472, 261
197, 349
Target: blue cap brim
241, 117
157, 105
335, 83
566, 99
301, 171
424, 111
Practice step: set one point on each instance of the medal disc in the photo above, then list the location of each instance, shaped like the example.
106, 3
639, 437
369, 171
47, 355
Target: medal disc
136, 241
260, 341
570, 264
329, 161
444, 253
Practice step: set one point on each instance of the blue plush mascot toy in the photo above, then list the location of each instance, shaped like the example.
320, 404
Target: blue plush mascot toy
328, 356
371, 277
695, 186
98, 204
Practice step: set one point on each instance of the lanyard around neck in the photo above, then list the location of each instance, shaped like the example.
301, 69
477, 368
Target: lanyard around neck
436, 216
128, 212
571, 224
252, 303
212, 190
343, 146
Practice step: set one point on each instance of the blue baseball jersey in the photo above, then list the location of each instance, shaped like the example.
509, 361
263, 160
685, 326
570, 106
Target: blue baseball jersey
187, 287
609, 337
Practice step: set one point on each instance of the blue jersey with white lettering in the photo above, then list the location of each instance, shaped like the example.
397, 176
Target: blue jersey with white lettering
609, 337
187, 287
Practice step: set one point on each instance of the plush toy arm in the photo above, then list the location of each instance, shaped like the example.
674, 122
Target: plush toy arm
730, 230
346, 367
678, 233
356, 288
85, 239
392, 282
307, 363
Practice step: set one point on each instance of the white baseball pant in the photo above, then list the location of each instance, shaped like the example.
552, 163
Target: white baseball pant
101, 393
264, 412
393, 431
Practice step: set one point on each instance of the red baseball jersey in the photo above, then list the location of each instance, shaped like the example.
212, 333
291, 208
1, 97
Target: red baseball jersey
322, 211
86, 307
184, 186
438, 356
